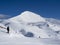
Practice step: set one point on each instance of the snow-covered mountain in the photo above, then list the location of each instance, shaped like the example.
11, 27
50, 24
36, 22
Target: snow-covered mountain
29, 24
33, 23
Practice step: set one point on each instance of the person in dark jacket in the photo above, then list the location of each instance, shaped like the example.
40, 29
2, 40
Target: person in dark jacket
8, 29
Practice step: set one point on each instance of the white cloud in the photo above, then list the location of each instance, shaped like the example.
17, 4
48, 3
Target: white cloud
3, 16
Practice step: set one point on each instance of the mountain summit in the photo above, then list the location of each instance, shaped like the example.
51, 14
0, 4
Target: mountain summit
28, 16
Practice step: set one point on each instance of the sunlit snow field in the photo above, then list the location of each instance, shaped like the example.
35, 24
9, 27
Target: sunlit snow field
18, 39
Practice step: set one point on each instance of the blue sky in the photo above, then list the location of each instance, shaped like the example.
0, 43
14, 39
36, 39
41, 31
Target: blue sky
45, 8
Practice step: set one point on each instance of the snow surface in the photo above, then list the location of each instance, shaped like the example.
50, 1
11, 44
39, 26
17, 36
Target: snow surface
29, 28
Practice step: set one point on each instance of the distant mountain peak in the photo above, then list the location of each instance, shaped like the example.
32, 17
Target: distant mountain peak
27, 12
28, 16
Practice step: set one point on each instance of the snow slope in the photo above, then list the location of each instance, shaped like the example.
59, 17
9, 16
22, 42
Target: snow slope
30, 29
